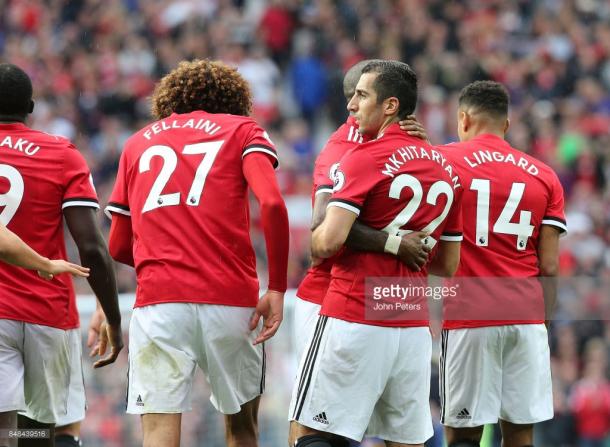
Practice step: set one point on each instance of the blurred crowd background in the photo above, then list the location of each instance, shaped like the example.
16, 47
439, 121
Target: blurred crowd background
94, 64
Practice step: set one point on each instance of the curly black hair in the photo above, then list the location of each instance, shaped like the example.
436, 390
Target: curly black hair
206, 85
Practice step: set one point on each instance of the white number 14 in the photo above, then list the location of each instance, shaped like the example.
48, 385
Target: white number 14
523, 229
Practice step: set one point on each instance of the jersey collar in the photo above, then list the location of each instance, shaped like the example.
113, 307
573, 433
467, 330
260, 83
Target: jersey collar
489, 137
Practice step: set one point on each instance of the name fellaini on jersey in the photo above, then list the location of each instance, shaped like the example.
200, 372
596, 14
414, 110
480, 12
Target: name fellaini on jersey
404, 154
20, 144
202, 124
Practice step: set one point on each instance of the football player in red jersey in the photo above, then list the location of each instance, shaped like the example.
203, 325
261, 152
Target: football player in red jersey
180, 216
411, 249
44, 179
360, 371
497, 367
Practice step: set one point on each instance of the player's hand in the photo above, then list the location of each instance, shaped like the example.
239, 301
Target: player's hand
93, 333
413, 128
271, 308
58, 266
109, 335
413, 252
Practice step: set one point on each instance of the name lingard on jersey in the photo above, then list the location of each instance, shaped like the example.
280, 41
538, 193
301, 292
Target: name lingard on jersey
207, 126
20, 144
405, 154
485, 156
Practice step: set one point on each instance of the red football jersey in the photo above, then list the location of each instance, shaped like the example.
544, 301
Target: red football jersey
181, 181
395, 183
508, 195
314, 285
40, 174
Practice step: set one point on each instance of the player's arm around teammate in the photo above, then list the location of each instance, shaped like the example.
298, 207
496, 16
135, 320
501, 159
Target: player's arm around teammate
14, 251
410, 248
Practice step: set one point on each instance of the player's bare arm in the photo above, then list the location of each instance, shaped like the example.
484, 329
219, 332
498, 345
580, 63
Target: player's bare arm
332, 233
258, 171
14, 251
410, 249
82, 223
548, 262
446, 260
319, 209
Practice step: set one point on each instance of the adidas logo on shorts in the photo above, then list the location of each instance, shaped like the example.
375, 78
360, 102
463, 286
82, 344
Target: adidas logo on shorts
464, 414
321, 418
139, 401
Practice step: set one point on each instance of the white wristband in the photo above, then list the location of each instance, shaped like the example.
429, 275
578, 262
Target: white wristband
392, 244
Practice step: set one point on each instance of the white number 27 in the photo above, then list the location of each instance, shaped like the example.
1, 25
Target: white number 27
155, 198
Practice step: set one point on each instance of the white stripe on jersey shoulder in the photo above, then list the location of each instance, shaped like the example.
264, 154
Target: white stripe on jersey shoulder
89, 204
349, 135
451, 238
264, 150
345, 206
324, 189
555, 223
115, 209
259, 149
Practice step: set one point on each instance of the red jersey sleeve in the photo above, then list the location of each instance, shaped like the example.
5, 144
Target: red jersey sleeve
78, 183
452, 232
324, 171
119, 202
354, 179
257, 140
555, 214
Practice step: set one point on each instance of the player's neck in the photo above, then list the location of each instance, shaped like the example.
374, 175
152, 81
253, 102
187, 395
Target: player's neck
11, 119
486, 130
389, 121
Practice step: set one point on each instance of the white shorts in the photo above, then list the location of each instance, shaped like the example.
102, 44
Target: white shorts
36, 364
77, 401
168, 341
498, 372
305, 317
355, 376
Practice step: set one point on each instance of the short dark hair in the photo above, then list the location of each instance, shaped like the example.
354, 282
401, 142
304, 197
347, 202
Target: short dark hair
488, 97
353, 75
15, 91
395, 79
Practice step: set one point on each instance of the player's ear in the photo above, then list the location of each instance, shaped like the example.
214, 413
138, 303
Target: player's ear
31, 106
392, 105
506, 125
464, 120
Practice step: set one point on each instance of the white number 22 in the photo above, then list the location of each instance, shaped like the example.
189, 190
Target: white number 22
438, 188
155, 198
